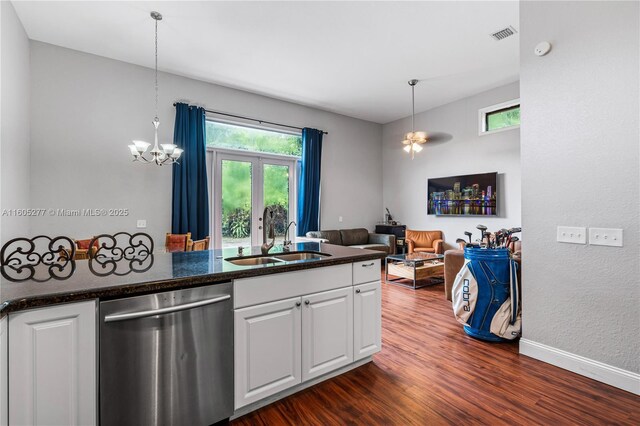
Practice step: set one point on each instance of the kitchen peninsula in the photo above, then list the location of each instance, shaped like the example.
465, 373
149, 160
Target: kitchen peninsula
241, 335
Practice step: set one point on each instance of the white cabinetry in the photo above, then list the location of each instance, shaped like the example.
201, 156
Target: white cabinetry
295, 327
327, 332
52, 365
367, 327
267, 349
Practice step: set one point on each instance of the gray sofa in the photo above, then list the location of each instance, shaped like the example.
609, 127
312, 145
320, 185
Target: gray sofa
357, 238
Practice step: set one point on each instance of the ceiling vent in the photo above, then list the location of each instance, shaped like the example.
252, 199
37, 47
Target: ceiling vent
503, 33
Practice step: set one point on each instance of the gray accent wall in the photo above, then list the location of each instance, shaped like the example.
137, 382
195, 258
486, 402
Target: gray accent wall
86, 109
464, 152
581, 167
14, 124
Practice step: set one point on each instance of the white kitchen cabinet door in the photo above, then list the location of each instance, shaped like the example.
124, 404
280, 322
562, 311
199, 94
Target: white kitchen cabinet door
366, 320
267, 350
327, 331
52, 365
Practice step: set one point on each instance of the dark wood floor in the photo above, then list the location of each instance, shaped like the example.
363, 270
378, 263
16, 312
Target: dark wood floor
430, 372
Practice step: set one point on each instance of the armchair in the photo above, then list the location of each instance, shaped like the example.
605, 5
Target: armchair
424, 241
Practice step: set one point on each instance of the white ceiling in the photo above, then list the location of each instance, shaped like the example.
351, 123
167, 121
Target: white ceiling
353, 58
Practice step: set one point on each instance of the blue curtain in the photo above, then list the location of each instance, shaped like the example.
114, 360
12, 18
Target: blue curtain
309, 185
190, 211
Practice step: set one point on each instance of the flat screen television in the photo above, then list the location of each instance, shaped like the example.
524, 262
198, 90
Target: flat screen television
468, 195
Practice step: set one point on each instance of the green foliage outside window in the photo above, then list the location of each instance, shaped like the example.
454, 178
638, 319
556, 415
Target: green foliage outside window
236, 176
223, 135
503, 118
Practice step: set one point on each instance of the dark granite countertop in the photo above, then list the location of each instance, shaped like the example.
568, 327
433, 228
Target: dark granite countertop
166, 271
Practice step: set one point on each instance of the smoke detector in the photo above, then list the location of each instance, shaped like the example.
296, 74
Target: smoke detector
503, 33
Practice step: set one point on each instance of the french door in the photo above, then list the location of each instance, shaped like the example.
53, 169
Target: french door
243, 185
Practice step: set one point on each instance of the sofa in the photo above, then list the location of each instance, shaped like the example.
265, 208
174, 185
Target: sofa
357, 238
454, 259
424, 241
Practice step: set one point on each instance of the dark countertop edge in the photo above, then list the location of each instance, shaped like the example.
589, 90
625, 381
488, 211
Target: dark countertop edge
12, 306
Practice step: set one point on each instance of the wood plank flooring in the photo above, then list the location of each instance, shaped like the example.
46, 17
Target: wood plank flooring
430, 373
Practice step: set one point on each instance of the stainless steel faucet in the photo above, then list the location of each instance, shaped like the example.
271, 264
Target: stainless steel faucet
287, 242
267, 214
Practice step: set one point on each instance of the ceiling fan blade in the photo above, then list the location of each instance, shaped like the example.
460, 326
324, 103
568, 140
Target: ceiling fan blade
439, 137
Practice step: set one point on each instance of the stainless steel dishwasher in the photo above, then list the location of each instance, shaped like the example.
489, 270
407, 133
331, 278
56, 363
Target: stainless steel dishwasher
167, 358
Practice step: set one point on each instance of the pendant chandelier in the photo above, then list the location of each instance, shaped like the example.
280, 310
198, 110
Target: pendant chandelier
169, 153
413, 140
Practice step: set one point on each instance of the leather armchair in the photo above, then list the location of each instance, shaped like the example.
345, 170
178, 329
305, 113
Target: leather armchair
424, 241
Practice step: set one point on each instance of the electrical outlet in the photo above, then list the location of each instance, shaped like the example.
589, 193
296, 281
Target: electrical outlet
572, 235
141, 223
605, 237
339, 218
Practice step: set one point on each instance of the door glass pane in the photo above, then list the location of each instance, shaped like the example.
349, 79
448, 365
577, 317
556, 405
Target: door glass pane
276, 195
236, 203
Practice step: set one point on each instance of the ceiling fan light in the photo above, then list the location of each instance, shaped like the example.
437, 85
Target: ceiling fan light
417, 147
420, 136
407, 148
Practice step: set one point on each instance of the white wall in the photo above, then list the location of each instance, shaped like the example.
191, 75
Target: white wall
580, 167
405, 180
86, 109
14, 124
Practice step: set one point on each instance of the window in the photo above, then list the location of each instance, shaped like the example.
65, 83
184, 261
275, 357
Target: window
497, 118
252, 168
223, 135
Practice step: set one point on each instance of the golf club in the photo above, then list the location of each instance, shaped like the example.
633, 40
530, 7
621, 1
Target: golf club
482, 229
468, 234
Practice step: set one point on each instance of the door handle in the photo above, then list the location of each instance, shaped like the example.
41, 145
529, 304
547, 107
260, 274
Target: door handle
358, 291
368, 264
167, 310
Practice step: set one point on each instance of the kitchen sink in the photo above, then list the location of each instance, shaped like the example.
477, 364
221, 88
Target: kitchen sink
252, 261
300, 256
276, 258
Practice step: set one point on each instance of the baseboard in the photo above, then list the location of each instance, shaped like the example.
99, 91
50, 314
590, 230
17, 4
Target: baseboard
297, 388
596, 370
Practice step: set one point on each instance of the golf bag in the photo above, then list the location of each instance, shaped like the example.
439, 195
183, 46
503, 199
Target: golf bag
485, 295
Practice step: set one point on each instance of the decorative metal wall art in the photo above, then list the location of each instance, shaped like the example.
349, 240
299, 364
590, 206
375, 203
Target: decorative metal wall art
121, 253
39, 258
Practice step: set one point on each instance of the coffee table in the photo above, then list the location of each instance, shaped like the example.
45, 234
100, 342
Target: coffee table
414, 267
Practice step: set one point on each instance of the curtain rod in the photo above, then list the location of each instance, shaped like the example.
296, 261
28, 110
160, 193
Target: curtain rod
254, 119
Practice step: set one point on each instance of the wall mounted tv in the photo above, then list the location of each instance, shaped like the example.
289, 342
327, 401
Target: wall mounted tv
468, 195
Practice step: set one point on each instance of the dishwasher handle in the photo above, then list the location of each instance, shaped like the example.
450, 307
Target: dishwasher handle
167, 310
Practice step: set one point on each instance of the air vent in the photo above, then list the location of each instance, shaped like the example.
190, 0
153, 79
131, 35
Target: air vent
503, 33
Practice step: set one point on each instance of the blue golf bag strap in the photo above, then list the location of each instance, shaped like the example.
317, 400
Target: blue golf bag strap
514, 290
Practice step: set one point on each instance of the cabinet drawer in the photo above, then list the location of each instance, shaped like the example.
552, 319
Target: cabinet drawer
267, 288
367, 271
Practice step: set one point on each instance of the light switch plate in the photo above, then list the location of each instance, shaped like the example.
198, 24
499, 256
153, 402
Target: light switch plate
605, 237
572, 235
141, 223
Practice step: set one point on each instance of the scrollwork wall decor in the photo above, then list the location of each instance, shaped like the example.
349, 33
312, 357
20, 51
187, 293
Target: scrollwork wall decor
121, 253
39, 258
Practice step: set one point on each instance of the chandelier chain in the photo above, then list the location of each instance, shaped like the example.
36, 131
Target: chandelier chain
156, 68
